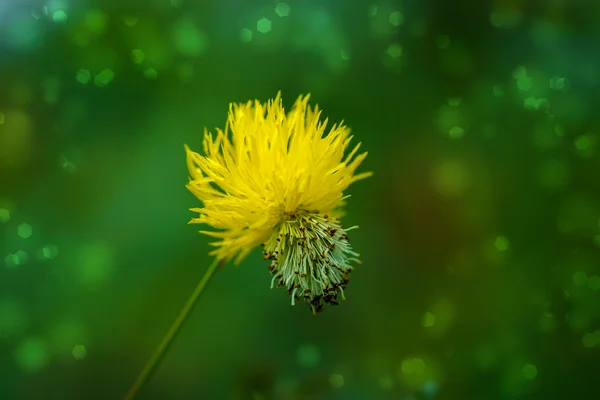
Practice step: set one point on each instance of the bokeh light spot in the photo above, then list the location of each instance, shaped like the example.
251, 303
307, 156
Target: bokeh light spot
530, 103
9, 261
428, 319
396, 18
21, 257
137, 56
59, 16
50, 252
4, 215
150, 74
95, 263
449, 117
524, 83
530, 371
282, 9
430, 388
519, 73
385, 382
245, 35
308, 356
65, 164
558, 83
439, 317
456, 132
501, 243
394, 50
22, 32
336, 381
533, 103
82, 39
584, 145
415, 373
454, 101
263, 25
450, 177
413, 366
24, 230
130, 21
104, 77
32, 354
591, 339
66, 334
372, 11
583, 142
79, 352
188, 39
83, 76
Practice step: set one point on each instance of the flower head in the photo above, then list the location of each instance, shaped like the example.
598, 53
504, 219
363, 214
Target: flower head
278, 179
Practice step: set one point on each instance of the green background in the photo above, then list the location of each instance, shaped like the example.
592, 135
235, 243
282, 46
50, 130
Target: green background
479, 231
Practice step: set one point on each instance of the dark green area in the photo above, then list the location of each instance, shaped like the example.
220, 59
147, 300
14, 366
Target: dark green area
479, 232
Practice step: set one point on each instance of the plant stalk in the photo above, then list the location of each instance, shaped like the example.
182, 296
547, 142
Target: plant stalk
161, 350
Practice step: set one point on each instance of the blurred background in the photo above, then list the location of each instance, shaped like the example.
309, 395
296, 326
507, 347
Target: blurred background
480, 230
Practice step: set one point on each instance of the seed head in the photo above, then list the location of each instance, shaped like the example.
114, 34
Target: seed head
310, 255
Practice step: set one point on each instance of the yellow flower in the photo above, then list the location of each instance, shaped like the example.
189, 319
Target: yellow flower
277, 179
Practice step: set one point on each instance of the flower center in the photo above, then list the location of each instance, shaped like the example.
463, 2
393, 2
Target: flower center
310, 254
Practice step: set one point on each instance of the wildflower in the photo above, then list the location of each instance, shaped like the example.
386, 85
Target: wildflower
276, 179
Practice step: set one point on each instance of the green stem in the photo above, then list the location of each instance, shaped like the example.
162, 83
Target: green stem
161, 350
